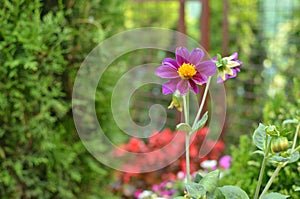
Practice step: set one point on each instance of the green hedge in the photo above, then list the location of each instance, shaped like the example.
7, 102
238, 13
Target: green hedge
42, 44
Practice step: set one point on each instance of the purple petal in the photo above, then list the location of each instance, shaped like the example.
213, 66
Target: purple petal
207, 68
234, 70
234, 74
182, 55
234, 56
170, 86
196, 56
183, 87
193, 86
170, 62
220, 80
241, 63
166, 71
199, 79
214, 58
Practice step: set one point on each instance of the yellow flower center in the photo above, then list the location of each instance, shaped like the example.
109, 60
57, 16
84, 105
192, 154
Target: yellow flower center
186, 71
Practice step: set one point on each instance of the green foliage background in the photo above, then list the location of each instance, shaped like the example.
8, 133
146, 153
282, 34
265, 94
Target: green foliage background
282, 102
42, 44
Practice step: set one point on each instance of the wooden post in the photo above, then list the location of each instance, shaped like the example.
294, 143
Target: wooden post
225, 44
205, 25
225, 39
205, 37
181, 23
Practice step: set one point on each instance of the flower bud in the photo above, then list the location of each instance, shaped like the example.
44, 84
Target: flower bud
176, 102
271, 130
279, 144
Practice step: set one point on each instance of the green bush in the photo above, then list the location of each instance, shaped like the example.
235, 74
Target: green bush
245, 167
42, 44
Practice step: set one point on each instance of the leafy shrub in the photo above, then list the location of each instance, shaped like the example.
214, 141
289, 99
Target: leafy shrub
41, 46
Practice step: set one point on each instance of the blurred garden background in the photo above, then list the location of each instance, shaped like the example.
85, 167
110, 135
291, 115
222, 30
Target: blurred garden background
44, 42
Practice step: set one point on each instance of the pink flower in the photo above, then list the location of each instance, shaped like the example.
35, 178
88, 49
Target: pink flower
225, 161
186, 72
137, 193
228, 67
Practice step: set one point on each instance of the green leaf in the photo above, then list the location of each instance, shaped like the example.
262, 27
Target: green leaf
278, 158
217, 194
200, 123
2, 153
233, 192
274, 196
184, 127
179, 197
294, 157
195, 190
259, 152
219, 56
198, 178
297, 188
259, 136
272, 131
290, 121
210, 181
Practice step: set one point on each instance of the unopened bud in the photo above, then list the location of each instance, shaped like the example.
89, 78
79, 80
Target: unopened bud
279, 144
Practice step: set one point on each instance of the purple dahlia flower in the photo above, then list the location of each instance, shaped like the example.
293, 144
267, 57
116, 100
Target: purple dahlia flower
228, 67
187, 71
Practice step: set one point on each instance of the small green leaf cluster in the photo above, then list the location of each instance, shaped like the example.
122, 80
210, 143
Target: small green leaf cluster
221, 63
191, 130
207, 188
274, 145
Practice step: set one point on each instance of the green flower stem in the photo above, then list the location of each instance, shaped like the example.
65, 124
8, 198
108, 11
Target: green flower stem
261, 173
295, 137
296, 149
187, 157
280, 166
262, 169
187, 136
202, 102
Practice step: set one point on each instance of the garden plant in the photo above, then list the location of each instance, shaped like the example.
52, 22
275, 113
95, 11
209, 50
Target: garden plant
43, 46
188, 71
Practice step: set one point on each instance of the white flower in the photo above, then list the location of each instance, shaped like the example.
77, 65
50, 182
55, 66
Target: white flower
208, 164
145, 194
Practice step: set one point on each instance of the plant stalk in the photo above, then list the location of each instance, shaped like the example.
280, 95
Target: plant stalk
262, 169
202, 102
261, 173
279, 167
295, 137
187, 136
